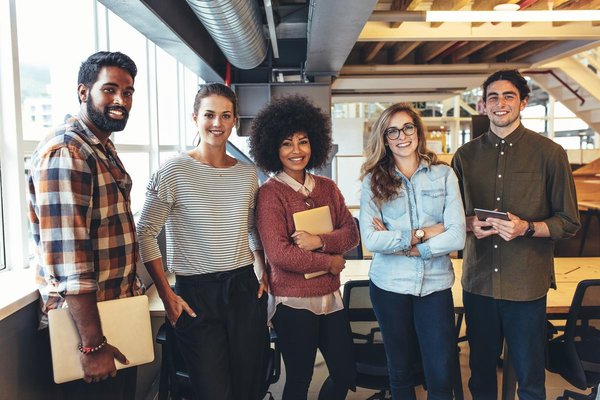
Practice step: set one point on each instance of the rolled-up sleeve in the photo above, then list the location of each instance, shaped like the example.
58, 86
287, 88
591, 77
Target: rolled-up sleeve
564, 222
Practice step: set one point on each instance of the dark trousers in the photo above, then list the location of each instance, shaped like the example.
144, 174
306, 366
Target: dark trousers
223, 347
406, 319
300, 333
523, 325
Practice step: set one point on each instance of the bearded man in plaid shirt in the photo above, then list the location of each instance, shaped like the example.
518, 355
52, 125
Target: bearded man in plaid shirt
82, 223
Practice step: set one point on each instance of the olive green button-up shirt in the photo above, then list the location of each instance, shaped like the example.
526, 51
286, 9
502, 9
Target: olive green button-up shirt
528, 175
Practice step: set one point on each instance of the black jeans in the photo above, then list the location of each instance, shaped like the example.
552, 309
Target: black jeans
523, 325
300, 333
223, 347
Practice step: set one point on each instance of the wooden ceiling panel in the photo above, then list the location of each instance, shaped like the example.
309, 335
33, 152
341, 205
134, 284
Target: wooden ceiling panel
401, 49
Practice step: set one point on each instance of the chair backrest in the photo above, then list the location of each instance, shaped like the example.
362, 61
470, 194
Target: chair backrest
357, 252
357, 302
582, 331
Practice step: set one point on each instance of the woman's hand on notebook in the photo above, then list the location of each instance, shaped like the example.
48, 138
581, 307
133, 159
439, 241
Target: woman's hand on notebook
337, 264
306, 241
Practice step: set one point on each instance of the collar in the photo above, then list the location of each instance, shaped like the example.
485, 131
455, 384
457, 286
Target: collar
83, 129
511, 139
306, 189
423, 164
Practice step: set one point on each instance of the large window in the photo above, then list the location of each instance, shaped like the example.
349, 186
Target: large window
47, 62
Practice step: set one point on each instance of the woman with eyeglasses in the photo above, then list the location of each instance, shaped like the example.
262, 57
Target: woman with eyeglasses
290, 137
411, 218
205, 200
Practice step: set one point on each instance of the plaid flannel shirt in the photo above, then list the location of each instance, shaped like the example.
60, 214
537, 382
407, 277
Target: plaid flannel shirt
81, 219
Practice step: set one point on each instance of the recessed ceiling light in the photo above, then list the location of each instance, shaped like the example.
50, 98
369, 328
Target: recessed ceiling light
506, 7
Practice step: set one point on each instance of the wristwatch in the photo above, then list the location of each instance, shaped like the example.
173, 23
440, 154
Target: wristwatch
420, 234
530, 230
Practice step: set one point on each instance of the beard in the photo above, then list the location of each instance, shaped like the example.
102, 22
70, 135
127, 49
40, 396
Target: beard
103, 120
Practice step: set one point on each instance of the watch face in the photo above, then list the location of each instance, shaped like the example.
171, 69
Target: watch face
419, 233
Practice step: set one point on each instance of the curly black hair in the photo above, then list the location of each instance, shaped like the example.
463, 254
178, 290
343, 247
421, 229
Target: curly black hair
282, 118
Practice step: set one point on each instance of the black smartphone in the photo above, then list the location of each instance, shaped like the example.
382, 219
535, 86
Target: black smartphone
483, 214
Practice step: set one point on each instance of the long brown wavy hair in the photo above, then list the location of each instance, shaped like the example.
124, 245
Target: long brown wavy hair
385, 183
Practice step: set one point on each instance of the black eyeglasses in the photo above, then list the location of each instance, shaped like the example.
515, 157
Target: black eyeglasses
309, 202
393, 133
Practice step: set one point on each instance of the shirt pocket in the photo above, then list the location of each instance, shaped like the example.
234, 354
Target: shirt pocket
432, 201
395, 209
526, 193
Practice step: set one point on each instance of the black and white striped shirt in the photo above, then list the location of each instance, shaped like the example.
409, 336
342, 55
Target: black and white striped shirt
208, 214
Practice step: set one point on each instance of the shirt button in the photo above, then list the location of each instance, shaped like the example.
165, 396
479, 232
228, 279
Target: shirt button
495, 246
510, 144
502, 141
496, 144
495, 269
500, 176
501, 153
497, 198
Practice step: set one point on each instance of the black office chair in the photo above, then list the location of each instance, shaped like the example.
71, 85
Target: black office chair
174, 381
357, 252
371, 361
575, 355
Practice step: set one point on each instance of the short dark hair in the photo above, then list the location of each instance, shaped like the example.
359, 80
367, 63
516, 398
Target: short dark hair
215, 89
511, 75
282, 118
90, 68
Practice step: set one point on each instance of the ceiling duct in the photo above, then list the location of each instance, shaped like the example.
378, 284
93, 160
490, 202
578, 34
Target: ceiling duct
236, 27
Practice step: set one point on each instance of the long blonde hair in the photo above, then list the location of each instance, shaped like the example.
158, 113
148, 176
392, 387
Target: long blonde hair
385, 183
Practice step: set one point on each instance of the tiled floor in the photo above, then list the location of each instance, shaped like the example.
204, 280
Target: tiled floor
555, 385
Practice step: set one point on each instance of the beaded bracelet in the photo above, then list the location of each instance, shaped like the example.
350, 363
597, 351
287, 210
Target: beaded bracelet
88, 349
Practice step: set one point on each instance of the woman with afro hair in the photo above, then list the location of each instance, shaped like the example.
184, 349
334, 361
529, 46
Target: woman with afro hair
290, 137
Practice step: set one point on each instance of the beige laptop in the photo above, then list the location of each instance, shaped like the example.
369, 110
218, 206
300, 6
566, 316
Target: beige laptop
125, 323
315, 221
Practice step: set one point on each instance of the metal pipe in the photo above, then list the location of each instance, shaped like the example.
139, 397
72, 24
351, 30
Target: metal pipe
236, 27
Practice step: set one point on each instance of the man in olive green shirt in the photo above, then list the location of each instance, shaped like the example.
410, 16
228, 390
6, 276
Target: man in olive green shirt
508, 265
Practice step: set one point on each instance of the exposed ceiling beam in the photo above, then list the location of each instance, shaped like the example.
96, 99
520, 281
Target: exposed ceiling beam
326, 57
402, 49
173, 26
379, 31
407, 83
431, 50
497, 48
469, 49
390, 98
561, 50
371, 50
527, 49
486, 5
448, 69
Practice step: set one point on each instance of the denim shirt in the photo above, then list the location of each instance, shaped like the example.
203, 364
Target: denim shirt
430, 197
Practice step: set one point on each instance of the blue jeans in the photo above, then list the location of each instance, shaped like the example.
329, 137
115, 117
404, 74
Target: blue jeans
523, 325
406, 319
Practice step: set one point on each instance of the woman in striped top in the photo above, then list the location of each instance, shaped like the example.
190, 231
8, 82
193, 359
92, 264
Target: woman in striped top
205, 200
289, 137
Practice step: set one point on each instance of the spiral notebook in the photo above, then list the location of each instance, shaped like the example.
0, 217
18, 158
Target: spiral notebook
315, 221
125, 323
